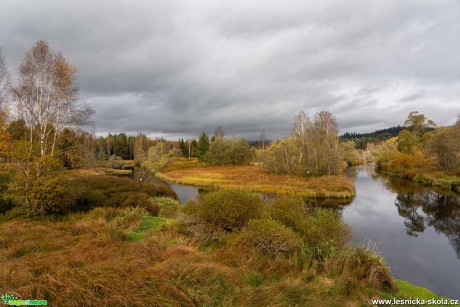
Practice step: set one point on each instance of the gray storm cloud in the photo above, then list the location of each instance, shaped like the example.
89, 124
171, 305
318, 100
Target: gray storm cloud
174, 68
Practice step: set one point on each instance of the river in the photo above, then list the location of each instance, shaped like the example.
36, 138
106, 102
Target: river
415, 229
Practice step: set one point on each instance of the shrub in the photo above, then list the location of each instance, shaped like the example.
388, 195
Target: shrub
37, 186
226, 210
271, 237
142, 200
92, 190
322, 230
290, 211
327, 234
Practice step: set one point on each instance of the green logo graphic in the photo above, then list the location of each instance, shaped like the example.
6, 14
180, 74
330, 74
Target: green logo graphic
11, 300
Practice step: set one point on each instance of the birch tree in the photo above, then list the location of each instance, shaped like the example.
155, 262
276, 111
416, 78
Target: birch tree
46, 96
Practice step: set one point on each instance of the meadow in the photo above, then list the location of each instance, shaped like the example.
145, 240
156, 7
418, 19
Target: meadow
253, 178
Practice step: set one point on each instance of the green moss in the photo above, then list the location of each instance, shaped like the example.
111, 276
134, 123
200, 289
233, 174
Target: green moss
148, 223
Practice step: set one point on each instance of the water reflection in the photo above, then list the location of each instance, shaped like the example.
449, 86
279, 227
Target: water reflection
422, 208
417, 229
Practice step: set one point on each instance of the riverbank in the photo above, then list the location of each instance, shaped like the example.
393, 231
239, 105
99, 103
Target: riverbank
90, 258
255, 179
448, 181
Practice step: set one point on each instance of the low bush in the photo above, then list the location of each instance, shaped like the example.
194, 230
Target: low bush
271, 237
328, 233
290, 211
90, 190
322, 230
226, 210
142, 200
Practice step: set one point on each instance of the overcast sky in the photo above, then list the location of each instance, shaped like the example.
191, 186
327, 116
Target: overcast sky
175, 67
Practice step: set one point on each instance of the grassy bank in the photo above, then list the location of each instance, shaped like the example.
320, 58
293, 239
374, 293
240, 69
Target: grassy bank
449, 181
410, 291
256, 179
126, 257
438, 179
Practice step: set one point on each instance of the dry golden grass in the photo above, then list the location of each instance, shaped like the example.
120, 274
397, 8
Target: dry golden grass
179, 163
88, 260
256, 179
123, 257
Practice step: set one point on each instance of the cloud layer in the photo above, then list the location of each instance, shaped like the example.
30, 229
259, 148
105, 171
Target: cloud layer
174, 68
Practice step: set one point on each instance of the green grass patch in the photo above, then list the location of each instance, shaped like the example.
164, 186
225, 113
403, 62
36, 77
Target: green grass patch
410, 291
254, 280
148, 223
168, 206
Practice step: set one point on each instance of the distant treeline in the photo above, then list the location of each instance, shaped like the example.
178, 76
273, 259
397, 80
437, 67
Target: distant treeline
137, 147
362, 139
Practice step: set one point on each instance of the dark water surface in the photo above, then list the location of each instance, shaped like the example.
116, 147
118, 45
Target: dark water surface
416, 229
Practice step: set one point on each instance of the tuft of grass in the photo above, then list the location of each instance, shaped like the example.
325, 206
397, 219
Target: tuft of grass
255, 179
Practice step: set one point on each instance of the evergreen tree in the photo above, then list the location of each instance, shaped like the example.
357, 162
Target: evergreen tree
121, 146
202, 146
183, 147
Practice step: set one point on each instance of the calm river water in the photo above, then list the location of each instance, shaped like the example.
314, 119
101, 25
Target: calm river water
416, 230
